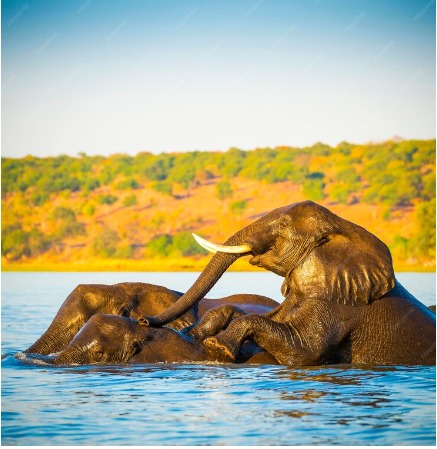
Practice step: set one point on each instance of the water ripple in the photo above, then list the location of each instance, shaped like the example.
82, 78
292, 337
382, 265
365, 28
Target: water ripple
194, 404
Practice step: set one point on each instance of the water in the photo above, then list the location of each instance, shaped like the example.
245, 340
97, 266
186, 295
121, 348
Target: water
200, 404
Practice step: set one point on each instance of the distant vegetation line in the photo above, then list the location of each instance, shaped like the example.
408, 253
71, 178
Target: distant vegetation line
130, 207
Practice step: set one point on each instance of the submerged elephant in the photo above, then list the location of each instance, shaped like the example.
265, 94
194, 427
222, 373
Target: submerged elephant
342, 301
110, 339
129, 299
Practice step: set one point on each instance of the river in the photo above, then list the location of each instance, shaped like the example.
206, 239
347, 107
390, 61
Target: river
196, 404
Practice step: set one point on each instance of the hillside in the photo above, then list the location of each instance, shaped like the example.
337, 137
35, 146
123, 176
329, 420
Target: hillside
137, 213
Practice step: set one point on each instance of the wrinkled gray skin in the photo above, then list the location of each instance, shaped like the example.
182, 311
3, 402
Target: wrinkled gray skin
342, 301
111, 339
129, 299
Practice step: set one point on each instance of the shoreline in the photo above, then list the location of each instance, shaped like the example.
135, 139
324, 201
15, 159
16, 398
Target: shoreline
161, 265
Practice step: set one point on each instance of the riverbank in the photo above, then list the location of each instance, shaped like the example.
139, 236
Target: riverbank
164, 264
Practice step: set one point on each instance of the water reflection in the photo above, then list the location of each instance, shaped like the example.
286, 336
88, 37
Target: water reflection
197, 404
216, 404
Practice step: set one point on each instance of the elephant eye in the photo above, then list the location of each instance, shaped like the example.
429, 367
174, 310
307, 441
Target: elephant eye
284, 223
124, 312
97, 355
323, 240
136, 348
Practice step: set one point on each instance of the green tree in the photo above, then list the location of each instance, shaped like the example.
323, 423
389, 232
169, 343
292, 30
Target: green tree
163, 187
91, 184
130, 200
257, 163
424, 242
313, 186
17, 243
88, 209
401, 246
128, 184
157, 168
283, 168
238, 207
232, 162
107, 199
125, 251
339, 194
347, 182
39, 198
160, 245
185, 244
224, 189
106, 242
66, 223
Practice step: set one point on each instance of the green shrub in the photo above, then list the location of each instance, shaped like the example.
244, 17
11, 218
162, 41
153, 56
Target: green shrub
339, 194
183, 171
163, 187
161, 245
130, 200
91, 184
232, 162
157, 168
66, 223
107, 199
185, 244
106, 242
238, 207
17, 243
401, 246
313, 187
224, 189
386, 213
424, 242
124, 251
128, 184
88, 209
39, 198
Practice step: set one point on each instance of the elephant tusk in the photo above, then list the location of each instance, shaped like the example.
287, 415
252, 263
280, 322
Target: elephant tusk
215, 247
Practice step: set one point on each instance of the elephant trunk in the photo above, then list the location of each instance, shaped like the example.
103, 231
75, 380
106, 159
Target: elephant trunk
55, 338
70, 356
207, 279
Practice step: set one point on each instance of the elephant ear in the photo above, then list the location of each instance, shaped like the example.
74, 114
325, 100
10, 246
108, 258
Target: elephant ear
344, 271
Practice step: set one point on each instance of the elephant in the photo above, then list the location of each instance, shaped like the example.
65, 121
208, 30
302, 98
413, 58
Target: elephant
342, 302
112, 339
129, 299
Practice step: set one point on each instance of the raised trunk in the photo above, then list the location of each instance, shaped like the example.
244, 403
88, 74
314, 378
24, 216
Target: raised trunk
219, 263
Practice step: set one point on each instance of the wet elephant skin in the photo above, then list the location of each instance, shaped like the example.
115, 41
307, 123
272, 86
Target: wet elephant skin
342, 301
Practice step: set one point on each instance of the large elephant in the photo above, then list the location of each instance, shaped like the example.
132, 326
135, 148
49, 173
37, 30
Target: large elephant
129, 299
111, 339
342, 301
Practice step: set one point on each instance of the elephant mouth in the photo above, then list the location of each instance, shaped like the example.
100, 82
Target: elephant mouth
255, 260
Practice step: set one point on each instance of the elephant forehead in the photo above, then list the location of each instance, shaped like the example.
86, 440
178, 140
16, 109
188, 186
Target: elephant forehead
304, 208
111, 323
85, 341
305, 213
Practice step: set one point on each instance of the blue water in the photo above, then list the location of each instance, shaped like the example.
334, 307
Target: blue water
200, 404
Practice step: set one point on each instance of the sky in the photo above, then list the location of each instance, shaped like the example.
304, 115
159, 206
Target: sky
105, 77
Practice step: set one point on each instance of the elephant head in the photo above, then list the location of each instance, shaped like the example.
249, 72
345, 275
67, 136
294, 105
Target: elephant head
104, 339
319, 254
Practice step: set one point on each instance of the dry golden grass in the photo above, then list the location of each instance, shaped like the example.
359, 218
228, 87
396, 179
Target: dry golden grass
198, 210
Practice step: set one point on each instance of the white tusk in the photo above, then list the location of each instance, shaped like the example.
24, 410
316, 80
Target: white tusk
214, 247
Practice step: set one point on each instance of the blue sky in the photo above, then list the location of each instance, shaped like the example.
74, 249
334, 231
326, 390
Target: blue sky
127, 76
